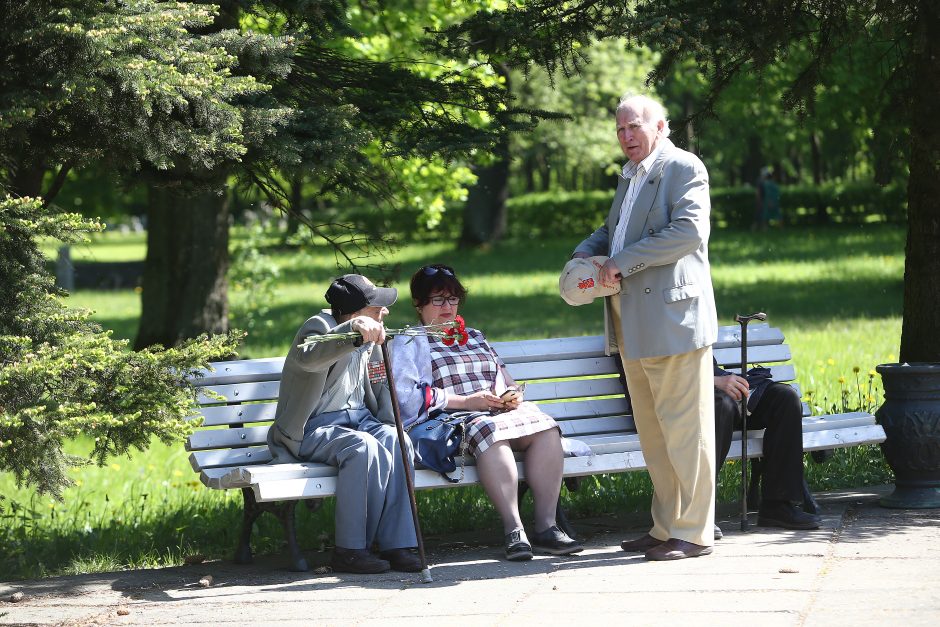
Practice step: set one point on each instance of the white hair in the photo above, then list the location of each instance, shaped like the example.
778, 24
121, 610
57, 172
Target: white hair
653, 111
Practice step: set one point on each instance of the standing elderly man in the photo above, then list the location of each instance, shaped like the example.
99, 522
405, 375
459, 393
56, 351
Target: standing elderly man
335, 408
664, 323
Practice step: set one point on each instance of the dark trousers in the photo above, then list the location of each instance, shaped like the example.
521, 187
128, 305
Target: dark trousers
779, 412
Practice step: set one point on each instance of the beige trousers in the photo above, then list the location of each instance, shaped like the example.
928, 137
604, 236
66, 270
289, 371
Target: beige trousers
674, 411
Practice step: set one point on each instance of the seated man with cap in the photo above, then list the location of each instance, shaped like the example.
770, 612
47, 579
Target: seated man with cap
335, 408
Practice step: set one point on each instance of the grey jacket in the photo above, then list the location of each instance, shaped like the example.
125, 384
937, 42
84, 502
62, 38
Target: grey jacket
309, 374
666, 298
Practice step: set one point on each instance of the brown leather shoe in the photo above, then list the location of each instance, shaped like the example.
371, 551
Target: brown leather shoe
640, 545
675, 549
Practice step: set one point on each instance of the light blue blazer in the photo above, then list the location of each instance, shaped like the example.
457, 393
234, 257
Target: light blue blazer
666, 299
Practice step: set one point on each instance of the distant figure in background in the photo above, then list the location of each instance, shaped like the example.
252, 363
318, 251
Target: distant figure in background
768, 200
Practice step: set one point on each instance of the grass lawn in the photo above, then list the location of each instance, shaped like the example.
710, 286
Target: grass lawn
836, 292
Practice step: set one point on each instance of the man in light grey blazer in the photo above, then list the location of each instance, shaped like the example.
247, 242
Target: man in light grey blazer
663, 323
334, 407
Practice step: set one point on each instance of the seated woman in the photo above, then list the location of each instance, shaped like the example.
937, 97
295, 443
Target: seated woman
430, 375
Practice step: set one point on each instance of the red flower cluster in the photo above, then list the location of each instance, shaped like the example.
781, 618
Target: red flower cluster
457, 333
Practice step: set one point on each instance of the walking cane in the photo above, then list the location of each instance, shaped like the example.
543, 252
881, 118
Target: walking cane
409, 467
743, 320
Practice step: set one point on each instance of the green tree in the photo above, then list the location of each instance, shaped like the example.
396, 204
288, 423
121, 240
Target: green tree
728, 38
62, 377
146, 89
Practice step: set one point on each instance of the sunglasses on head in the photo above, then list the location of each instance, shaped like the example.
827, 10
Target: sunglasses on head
431, 271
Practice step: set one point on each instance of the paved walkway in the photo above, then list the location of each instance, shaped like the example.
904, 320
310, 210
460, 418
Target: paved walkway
866, 566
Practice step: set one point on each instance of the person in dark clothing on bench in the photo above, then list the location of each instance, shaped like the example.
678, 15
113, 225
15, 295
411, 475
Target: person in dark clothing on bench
776, 408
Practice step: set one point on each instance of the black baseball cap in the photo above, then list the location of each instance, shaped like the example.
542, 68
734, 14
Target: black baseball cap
352, 292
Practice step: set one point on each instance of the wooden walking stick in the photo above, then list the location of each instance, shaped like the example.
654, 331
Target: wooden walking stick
409, 466
743, 320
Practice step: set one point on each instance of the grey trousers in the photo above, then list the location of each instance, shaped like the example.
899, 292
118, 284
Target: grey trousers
372, 503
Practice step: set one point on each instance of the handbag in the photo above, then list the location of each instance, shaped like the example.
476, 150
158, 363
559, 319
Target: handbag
437, 441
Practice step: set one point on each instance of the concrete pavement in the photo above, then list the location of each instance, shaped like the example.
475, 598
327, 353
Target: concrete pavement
866, 566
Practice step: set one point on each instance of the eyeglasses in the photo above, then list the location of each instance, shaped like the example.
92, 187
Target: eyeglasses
438, 301
431, 271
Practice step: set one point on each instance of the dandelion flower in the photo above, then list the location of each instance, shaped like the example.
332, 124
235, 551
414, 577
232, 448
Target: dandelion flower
115, 466
856, 369
842, 380
831, 361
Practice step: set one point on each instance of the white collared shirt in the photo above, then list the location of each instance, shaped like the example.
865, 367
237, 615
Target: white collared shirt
637, 173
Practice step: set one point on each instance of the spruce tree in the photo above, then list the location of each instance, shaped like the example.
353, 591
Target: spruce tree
62, 376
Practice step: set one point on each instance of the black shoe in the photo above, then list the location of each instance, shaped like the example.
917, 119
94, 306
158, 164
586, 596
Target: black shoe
359, 561
718, 534
554, 541
517, 549
784, 514
404, 560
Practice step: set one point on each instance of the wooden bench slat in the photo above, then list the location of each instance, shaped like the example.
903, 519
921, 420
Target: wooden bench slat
593, 426
242, 371
755, 355
573, 389
238, 414
242, 392
220, 458
227, 438
594, 408
557, 369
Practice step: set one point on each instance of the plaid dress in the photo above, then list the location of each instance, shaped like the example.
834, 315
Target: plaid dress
473, 367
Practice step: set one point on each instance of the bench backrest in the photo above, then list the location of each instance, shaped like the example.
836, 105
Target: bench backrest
570, 378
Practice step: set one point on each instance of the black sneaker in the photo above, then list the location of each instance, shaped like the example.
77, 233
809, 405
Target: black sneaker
784, 514
359, 561
517, 549
555, 542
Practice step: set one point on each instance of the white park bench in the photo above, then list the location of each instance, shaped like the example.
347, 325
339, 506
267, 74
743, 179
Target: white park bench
570, 378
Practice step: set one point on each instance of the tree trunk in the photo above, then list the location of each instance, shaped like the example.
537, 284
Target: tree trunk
484, 215
184, 284
754, 161
920, 341
296, 206
816, 154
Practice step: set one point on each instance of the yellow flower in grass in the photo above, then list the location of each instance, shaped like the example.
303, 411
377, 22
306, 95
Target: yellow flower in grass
842, 380
831, 361
177, 473
115, 466
856, 369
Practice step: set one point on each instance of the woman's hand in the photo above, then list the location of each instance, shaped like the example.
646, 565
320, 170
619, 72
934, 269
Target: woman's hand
484, 400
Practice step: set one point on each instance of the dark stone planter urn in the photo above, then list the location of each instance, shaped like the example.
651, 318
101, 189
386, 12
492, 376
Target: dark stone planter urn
910, 416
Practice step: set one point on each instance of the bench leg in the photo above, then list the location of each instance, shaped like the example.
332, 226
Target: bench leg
249, 516
285, 513
753, 486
